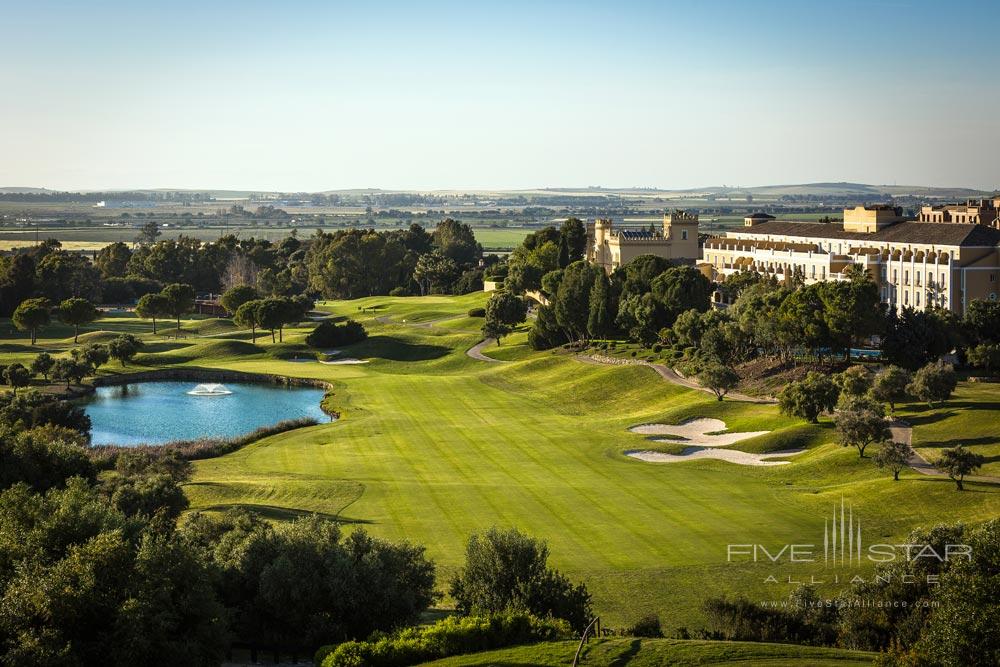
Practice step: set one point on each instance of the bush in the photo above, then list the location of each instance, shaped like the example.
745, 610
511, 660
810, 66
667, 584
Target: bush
399, 291
450, 636
634, 354
647, 626
477, 312
657, 348
330, 334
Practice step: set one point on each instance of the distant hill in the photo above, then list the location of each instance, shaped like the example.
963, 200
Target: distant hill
843, 189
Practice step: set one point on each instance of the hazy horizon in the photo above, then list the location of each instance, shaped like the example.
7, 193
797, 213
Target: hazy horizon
312, 96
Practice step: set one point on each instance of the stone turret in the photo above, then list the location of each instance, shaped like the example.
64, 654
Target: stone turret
681, 229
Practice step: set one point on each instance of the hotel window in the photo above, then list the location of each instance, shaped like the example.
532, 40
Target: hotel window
894, 275
916, 277
813, 271
906, 277
684, 234
917, 298
906, 298
993, 277
942, 279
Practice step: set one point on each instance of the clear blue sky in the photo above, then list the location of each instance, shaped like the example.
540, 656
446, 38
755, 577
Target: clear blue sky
426, 95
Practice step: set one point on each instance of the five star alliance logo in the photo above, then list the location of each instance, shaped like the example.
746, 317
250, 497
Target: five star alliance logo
843, 534
842, 546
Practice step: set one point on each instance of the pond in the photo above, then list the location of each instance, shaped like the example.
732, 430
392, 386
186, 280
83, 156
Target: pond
159, 412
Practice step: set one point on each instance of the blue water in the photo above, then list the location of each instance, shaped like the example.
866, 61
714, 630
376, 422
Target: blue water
159, 412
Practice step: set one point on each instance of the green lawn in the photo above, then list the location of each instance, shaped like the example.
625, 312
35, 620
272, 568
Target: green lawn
971, 418
657, 652
433, 445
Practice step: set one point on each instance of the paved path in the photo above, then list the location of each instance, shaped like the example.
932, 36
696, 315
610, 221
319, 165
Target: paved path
903, 432
476, 351
672, 376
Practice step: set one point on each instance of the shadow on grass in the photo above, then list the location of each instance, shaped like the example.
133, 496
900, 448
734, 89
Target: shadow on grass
394, 349
625, 657
276, 513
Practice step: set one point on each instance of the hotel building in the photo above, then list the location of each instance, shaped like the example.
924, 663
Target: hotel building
947, 258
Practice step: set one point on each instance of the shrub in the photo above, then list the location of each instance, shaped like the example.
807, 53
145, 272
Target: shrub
330, 334
647, 626
657, 348
634, 354
399, 291
477, 312
451, 636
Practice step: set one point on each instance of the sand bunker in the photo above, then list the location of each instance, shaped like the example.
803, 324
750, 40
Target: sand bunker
343, 362
701, 432
705, 436
731, 455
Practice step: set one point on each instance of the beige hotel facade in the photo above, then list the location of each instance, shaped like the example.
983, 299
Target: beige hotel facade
931, 262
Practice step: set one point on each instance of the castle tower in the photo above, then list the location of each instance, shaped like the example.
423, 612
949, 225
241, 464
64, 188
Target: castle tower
681, 229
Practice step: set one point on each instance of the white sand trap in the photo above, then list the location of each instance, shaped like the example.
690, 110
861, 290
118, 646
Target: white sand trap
344, 362
731, 455
705, 436
698, 432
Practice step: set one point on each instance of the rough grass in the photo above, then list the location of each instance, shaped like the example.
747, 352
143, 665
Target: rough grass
659, 652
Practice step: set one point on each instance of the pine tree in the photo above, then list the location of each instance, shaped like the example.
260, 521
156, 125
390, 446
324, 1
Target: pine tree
600, 317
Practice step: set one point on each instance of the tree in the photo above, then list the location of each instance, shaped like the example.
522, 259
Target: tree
809, 397
94, 354
16, 375
112, 260
506, 569
179, 300
457, 242
982, 321
985, 356
234, 297
719, 378
890, 386
247, 316
572, 301
934, 383
573, 233
300, 584
854, 382
504, 311
860, 423
962, 630
148, 233
958, 462
32, 315
271, 315
435, 273
600, 319
681, 288
75, 312
17, 281
42, 364
124, 348
893, 455
70, 370
151, 306
914, 338
328, 334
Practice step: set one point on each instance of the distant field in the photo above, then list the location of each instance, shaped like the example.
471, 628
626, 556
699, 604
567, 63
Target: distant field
97, 238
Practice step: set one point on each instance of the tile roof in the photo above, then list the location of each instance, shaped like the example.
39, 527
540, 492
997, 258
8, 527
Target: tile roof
941, 233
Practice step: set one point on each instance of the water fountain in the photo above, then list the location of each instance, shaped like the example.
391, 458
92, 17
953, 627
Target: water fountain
211, 389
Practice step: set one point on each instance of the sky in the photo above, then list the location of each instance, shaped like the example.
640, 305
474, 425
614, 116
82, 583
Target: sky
311, 96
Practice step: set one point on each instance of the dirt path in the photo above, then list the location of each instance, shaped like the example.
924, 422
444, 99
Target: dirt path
476, 351
903, 432
671, 376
